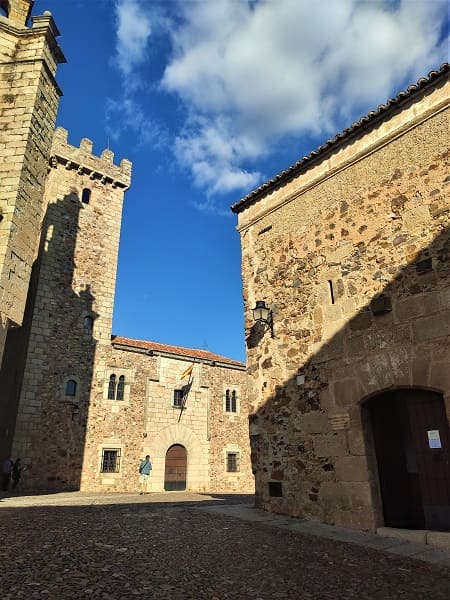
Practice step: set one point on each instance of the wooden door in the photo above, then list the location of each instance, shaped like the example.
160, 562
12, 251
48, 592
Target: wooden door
175, 472
397, 468
430, 432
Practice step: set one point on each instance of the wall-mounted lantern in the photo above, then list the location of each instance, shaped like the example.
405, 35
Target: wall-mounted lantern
263, 315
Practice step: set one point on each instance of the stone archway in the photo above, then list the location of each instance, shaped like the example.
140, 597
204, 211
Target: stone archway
412, 446
197, 469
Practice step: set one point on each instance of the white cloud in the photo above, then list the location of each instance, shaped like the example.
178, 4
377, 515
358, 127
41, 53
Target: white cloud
133, 32
251, 73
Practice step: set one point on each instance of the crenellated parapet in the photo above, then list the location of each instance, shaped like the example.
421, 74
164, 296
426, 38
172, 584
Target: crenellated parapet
81, 159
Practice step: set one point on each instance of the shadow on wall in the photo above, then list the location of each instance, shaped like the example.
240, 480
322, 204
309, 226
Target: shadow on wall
46, 372
366, 409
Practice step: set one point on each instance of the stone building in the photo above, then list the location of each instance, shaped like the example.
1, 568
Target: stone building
79, 406
349, 249
29, 97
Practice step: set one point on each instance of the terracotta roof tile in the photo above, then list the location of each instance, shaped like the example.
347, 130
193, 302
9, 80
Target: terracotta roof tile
367, 121
190, 353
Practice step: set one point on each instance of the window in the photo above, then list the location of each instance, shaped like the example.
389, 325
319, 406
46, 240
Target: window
88, 323
116, 385
120, 388
112, 387
71, 387
230, 401
110, 460
178, 398
4, 8
275, 489
232, 462
86, 196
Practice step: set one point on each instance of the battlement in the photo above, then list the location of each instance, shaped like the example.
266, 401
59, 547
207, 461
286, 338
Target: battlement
81, 158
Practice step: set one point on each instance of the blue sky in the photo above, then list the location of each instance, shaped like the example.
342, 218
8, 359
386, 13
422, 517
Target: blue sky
208, 99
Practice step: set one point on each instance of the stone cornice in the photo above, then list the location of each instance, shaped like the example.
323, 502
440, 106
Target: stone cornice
352, 150
94, 173
404, 100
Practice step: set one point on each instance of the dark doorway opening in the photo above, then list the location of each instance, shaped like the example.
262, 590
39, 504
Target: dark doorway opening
175, 472
412, 446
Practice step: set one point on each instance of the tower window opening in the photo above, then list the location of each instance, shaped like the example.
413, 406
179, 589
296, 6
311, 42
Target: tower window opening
71, 387
88, 323
330, 283
4, 8
86, 196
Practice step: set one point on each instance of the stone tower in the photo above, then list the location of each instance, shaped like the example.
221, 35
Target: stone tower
29, 97
69, 312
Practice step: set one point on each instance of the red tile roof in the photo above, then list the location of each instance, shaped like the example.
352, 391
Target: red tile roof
364, 123
190, 353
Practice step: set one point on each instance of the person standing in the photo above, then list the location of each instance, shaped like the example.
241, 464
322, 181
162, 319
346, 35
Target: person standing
144, 473
16, 473
7, 469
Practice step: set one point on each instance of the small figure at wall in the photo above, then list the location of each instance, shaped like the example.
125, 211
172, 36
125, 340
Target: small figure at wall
7, 468
144, 473
16, 473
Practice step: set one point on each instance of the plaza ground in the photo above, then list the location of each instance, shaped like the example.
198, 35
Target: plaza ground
181, 546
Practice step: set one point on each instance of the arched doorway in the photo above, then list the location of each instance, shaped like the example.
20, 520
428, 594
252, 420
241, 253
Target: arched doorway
175, 471
412, 446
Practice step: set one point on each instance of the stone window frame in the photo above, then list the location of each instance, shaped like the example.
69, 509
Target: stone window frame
110, 444
76, 397
128, 375
231, 388
235, 450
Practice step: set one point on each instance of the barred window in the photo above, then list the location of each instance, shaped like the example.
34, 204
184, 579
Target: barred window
112, 387
230, 401
71, 387
178, 398
110, 460
232, 462
120, 388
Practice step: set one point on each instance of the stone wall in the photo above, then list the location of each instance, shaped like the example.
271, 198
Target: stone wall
367, 224
29, 98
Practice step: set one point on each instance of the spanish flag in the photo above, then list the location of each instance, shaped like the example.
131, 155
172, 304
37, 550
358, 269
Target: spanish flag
187, 372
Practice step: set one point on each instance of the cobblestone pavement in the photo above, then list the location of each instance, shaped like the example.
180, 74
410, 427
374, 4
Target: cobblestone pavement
162, 547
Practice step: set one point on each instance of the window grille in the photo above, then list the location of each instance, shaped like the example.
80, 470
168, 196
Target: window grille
71, 387
112, 387
232, 462
110, 460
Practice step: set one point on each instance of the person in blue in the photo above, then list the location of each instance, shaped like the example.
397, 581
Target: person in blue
144, 473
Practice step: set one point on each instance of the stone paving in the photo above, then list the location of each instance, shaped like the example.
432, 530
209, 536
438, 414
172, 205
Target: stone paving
161, 546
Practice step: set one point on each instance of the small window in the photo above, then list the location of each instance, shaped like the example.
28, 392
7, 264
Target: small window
178, 398
275, 489
232, 462
110, 460
71, 387
4, 8
86, 196
112, 387
120, 388
230, 401
88, 323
